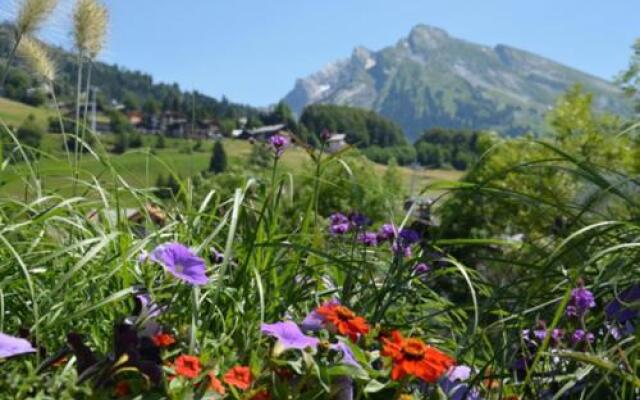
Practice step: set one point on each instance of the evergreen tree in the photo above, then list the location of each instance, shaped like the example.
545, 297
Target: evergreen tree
160, 142
218, 162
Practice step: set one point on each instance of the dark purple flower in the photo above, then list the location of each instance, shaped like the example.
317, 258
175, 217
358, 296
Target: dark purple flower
279, 144
386, 232
359, 220
368, 239
580, 335
406, 238
409, 236
347, 355
581, 301
289, 336
217, 256
314, 322
181, 262
622, 308
13, 346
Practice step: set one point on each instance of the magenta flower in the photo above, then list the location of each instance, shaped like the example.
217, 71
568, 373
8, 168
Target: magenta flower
580, 335
12, 346
339, 224
181, 262
369, 239
421, 269
581, 301
289, 335
279, 144
386, 232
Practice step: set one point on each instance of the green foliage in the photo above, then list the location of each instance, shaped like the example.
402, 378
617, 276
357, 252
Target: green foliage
403, 155
363, 128
439, 147
261, 156
218, 162
630, 78
121, 144
577, 127
119, 123
160, 142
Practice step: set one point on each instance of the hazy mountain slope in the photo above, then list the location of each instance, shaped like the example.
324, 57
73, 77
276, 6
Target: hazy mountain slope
431, 79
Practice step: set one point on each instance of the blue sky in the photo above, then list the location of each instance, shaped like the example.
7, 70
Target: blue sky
252, 51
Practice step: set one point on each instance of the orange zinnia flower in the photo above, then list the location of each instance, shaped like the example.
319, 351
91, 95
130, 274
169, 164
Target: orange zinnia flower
345, 321
413, 357
239, 377
215, 384
188, 366
163, 340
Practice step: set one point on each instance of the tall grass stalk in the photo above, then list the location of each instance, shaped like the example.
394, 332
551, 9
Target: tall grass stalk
32, 14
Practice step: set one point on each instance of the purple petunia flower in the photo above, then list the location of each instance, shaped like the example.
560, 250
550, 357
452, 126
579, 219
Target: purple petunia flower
580, 335
368, 239
279, 144
181, 262
459, 373
347, 355
314, 321
451, 384
13, 346
148, 308
143, 257
581, 301
289, 335
386, 232
342, 388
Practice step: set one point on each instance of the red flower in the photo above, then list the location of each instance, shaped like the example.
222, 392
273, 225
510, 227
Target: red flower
239, 377
188, 366
122, 389
345, 321
262, 395
163, 340
215, 384
413, 357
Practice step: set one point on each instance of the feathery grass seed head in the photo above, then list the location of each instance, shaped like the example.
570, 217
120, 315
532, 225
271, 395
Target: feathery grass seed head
90, 20
32, 14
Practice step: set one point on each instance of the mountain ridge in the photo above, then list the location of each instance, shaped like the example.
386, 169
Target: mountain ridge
432, 79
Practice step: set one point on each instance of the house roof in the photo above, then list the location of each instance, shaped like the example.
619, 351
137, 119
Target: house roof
337, 137
267, 129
